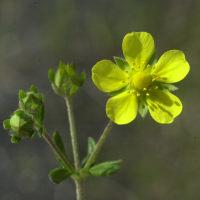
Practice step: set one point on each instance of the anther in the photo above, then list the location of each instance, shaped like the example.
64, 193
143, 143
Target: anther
126, 71
132, 68
128, 92
156, 87
144, 63
130, 82
134, 90
138, 66
150, 89
123, 81
153, 79
157, 77
153, 74
148, 66
154, 67
133, 63
138, 94
144, 89
128, 77
147, 94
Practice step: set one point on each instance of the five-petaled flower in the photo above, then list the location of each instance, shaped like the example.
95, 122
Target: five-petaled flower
140, 82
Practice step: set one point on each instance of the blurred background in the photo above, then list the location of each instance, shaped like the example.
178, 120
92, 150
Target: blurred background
161, 161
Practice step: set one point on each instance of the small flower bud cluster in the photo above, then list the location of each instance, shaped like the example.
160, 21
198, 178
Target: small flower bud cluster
29, 115
66, 81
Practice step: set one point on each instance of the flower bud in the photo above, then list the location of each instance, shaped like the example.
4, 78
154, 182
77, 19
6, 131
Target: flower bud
66, 81
21, 125
31, 101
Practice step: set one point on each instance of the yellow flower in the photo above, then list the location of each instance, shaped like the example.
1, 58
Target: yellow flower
140, 82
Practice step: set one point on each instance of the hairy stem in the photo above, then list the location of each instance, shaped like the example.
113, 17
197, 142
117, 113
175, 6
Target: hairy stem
73, 133
99, 144
57, 151
79, 189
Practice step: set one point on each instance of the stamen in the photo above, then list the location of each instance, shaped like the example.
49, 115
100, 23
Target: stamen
138, 66
153, 79
128, 77
157, 77
134, 90
123, 81
153, 74
156, 87
128, 92
126, 71
133, 63
147, 94
144, 89
144, 63
132, 68
148, 66
130, 82
138, 94
150, 89
154, 67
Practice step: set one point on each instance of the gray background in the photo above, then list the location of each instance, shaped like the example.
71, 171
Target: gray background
161, 161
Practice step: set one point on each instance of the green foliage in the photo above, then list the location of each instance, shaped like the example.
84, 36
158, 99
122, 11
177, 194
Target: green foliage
33, 89
59, 174
123, 64
51, 75
15, 139
6, 124
166, 86
91, 147
74, 89
142, 107
106, 168
21, 94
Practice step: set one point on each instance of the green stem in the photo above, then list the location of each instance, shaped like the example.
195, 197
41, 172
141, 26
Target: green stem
57, 151
79, 189
73, 133
99, 144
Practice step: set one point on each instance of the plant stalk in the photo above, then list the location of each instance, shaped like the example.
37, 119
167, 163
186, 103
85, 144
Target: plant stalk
73, 132
79, 189
99, 144
57, 151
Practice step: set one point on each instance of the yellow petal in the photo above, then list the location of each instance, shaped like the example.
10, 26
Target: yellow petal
171, 67
138, 48
163, 106
108, 77
122, 109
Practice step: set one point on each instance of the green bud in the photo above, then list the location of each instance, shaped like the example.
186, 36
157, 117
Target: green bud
21, 125
31, 101
66, 81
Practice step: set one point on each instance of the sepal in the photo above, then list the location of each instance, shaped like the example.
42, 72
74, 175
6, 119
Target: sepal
59, 174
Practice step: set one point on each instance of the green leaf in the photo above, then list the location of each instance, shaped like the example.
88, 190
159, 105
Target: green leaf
82, 78
152, 60
51, 75
91, 147
34, 106
59, 143
142, 107
73, 76
165, 86
74, 89
33, 89
41, 113
40, 131
18, 112
42, 96
123, 64
72, 66
6, 124
21, 94
59, 174
106, 168
15, 139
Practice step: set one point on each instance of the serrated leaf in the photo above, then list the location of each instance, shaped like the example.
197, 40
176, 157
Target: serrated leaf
59, 174
142, 107
82, 78
106, 168
51, 75
22, 94
15, 139
6, 124
122, 63
91, 147
74, 89
33, 89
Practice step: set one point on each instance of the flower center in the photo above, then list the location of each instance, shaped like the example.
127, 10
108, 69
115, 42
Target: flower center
141, 80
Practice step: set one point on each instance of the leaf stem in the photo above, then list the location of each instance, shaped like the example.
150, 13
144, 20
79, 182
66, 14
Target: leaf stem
79, 189
99, 144
57, 151
73, 132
